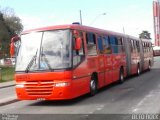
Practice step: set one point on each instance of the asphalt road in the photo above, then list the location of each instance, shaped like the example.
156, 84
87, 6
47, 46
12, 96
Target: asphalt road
8, 91
136, 95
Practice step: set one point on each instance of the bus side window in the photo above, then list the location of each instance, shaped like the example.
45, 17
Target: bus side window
143, 47
78, 56
107, 46
114, 44
137, 45
100, 45
146, 47
81, 51
132, 46
120, 46
91, 43
150, 47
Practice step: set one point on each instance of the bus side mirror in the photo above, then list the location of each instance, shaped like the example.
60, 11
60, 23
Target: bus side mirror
78, 42
12, 49
12, 45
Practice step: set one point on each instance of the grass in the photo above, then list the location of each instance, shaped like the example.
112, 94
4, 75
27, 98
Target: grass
6, 73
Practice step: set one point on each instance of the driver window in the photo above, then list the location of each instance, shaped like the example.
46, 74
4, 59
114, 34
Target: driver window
78, 55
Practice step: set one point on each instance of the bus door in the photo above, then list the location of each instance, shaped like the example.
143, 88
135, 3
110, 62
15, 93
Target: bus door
81, 70
101, 63
106, 58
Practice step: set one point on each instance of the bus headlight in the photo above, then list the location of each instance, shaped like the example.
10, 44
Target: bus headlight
20, 86
61, 84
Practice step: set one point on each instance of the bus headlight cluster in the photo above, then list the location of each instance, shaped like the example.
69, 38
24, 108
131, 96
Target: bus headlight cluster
20, 86
61, 84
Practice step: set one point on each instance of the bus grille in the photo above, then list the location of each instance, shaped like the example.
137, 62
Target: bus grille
39, 87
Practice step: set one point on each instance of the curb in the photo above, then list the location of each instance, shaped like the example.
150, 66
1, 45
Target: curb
7, 86
8, 101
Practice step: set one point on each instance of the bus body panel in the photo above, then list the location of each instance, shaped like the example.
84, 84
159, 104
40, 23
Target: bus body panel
108, 62
43, 85
82, 75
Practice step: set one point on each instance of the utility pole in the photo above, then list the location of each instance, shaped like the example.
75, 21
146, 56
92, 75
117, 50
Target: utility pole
80, 17
124, 30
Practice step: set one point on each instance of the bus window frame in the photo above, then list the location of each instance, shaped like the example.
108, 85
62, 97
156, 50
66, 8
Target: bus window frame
76, 53
93, 46
108, 49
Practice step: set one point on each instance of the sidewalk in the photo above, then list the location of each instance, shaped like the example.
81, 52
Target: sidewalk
7, 84
7, 93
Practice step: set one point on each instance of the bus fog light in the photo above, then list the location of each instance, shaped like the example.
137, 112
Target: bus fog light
20, 86
63, 84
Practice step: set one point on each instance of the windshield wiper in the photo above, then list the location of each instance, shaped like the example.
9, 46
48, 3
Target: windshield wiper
31, 62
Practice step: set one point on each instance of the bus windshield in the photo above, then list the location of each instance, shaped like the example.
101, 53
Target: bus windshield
47, 50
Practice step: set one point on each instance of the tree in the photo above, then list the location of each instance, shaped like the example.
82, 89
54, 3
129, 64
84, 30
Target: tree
4, 36
13, 22
145, 35
10, 25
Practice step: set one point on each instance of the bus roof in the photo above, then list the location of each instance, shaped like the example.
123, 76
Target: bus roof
78, 27
72, 26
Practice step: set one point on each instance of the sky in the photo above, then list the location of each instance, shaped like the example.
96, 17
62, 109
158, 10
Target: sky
124, 16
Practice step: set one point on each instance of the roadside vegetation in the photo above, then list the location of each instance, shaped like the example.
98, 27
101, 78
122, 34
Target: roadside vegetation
10, 26
6, 73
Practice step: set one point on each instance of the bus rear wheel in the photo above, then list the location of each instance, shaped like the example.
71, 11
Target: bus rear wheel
138, 70
93, 86
149, 66
121, 76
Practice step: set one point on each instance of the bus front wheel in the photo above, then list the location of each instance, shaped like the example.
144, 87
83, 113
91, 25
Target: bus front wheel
93, 86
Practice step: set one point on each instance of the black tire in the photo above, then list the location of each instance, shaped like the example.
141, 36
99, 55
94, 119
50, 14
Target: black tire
121, 76
138, 70
93, 86
149, 66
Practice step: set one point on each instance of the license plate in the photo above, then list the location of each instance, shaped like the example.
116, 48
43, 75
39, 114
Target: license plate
40, 98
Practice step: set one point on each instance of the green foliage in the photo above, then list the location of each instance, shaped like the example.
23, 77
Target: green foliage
145, 35
6, 73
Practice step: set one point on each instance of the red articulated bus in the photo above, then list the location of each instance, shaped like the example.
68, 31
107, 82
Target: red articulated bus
67, 61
